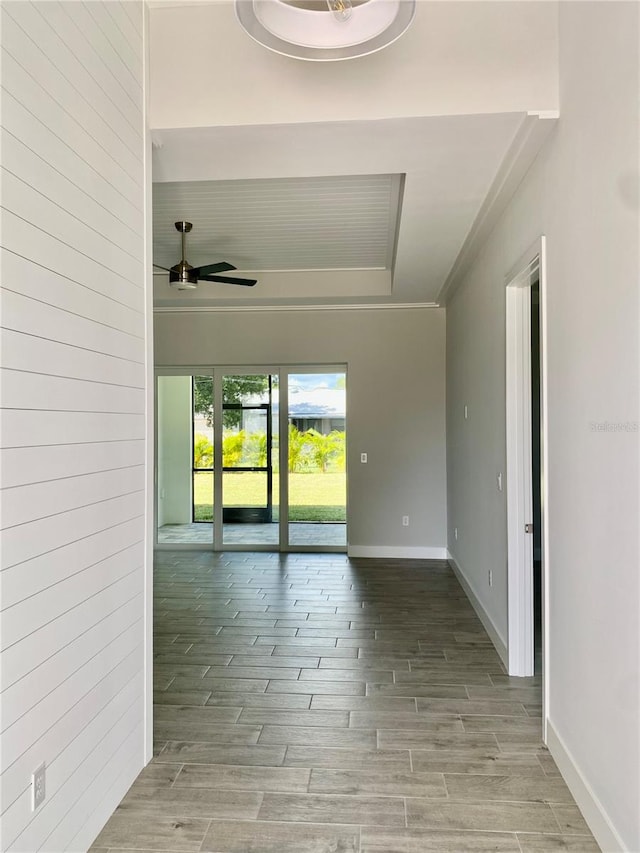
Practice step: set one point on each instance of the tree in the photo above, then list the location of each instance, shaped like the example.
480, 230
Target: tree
297, 445
235, 389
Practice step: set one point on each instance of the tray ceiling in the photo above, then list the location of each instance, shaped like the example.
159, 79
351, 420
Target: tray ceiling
260, 198
316, 223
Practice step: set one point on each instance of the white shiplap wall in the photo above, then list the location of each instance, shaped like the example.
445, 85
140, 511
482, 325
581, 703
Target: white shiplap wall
74, 356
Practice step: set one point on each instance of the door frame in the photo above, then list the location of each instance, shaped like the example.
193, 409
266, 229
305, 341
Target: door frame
531, 267
216, 372
285, 372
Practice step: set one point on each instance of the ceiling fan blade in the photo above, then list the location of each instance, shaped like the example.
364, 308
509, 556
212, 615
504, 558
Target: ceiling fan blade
208, 269
158, 267
245, 282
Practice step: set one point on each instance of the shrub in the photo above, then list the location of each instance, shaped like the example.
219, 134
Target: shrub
202, 452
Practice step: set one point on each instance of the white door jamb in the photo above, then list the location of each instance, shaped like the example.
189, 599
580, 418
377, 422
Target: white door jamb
519, 483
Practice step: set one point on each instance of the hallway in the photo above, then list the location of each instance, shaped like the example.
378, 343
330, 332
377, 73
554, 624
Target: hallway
312, 703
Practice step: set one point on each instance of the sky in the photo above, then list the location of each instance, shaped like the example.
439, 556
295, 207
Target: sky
309, 381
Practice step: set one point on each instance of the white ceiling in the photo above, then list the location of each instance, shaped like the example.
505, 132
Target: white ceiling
458, 106
217, 177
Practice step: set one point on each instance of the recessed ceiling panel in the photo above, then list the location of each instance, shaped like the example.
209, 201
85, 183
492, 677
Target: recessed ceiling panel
319, 223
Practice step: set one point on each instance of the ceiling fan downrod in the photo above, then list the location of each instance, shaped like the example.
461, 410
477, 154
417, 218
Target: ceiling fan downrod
182, 273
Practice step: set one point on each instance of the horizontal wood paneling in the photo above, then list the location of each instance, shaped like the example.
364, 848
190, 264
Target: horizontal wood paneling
19, 83
33, 207
27, 54
28, 618
38, 392
24, 465
39, 138
28, 503
28, 352
21, 429
118, 763
37, 722
68, 644
72, 415
44, 286
85, 23
63, 33
63, 736
21, 544
90, 687
45, 570
24, 314
19, 159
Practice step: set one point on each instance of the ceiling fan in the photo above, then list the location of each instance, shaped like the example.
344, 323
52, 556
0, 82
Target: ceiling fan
183, 276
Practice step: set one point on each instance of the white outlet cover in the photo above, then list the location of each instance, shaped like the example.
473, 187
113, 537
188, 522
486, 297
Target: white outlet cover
38, 787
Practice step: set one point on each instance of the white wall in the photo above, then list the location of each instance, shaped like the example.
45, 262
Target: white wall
175, 461
582, 193
73, 416
457, 58
395, 404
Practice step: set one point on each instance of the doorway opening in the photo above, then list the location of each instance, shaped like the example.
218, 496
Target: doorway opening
536, 476
252, 459
527, 505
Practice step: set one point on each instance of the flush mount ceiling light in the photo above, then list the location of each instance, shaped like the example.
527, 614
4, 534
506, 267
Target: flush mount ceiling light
325, 30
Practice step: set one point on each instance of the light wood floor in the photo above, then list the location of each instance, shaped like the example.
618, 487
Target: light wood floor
314, 704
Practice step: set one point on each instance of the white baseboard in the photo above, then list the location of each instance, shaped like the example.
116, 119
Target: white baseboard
494, 635
592, 809
391, 552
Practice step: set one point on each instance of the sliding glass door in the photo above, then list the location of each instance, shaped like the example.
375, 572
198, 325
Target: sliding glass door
317, 479
252, 459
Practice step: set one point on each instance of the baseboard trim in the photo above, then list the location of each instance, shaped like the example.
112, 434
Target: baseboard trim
391, 552
592, 809
494, 635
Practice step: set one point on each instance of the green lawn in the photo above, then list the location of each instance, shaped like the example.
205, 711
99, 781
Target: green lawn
312, 497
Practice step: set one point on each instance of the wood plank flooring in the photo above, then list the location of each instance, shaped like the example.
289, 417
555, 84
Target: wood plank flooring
308, 703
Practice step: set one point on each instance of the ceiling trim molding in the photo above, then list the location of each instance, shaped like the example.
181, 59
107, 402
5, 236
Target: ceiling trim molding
221, 309
525, 147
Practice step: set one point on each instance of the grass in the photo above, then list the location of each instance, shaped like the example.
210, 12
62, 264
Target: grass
312, 497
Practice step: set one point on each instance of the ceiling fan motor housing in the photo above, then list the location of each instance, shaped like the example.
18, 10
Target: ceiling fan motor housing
182, 276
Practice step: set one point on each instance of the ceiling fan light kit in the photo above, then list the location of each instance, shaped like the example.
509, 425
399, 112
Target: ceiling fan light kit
325, 30
183, 276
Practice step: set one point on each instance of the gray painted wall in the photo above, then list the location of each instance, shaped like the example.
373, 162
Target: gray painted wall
582, 194
395, 403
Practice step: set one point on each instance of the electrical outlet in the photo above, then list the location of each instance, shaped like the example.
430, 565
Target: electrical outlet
405, 520
490, 578
38, 789
363, 458
455, 533
466, 413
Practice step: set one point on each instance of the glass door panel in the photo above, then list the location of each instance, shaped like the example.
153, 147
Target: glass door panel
248, 460
181, 497
203, 456
317, 485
